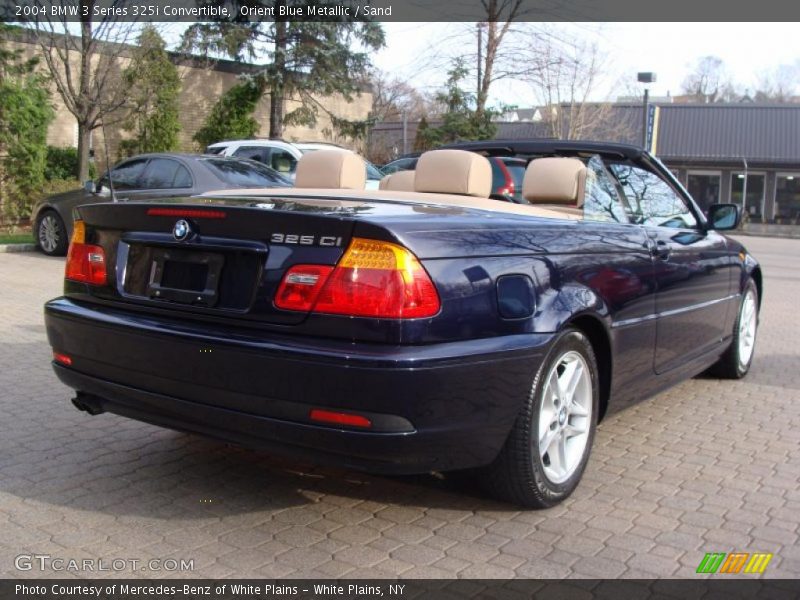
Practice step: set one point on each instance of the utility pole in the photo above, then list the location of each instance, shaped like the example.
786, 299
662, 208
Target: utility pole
480, 58
405, 133
645, 77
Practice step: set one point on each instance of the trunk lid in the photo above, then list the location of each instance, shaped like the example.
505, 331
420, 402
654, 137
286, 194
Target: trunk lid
224, 258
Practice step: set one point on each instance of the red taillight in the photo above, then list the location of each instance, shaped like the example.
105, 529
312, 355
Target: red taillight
301, 286
338, 418
372, 279
508, 189
85, 262
62, 358
196, 213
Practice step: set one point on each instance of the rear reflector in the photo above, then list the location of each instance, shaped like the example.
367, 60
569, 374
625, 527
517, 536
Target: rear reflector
62, 358
373, 279
85, 262
337, 418
197, 213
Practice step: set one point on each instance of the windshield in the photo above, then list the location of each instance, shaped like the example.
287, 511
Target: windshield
246, 173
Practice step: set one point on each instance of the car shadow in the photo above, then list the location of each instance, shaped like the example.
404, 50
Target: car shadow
52, 453
191, 477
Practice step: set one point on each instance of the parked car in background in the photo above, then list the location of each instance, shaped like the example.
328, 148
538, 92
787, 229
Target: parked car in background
407, 162
148, 176
507, 174
283, 156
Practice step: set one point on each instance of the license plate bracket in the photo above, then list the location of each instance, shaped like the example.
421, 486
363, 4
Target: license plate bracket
186, 277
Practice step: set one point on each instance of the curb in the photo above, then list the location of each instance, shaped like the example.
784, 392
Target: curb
17, 248
783, 236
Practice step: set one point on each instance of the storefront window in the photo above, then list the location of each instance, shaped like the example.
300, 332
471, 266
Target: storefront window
755, 185
704, 188
787, 198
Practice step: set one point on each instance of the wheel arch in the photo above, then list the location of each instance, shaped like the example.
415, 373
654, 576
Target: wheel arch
594, 328
759, 281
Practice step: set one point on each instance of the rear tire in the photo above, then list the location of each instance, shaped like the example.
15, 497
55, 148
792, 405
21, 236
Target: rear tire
51, 234
735, 362
548, 448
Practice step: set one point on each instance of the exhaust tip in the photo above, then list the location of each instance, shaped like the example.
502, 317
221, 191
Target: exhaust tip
88, 404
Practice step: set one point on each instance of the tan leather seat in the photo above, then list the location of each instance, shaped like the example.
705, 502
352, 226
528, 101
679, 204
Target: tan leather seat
559, 183
453, 172
331, 169
400, 181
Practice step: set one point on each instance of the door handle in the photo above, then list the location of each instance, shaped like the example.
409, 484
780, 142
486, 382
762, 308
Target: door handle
660, 250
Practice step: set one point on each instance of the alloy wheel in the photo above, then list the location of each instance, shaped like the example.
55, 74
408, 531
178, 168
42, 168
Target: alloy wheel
49, 233
748, 321
565, 417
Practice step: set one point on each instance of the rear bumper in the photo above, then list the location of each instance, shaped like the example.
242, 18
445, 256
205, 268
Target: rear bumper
434, 407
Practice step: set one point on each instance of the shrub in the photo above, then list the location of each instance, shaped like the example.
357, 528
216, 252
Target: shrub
231, 118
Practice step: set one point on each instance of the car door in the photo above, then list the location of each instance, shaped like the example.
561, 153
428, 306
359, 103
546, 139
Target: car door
256, 153
282, 161
126, 177
163, 177
624, 278
692, 273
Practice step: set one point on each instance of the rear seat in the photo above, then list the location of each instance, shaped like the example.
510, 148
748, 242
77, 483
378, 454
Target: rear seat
401, 181
453, 172
556, 183
331, 169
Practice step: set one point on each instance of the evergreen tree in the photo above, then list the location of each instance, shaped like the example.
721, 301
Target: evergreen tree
421, 139
231, 118
155, 88
304, 60
25, 114
460, 121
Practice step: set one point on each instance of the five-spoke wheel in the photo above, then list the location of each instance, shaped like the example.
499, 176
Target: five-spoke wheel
547, 450
565, 416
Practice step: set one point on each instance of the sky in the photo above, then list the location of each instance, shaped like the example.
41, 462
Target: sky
668, 49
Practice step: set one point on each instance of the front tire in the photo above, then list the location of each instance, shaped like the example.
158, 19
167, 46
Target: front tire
735, 362
548, 448
51, 234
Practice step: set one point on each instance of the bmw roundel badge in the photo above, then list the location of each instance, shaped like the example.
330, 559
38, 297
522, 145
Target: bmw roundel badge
181, 230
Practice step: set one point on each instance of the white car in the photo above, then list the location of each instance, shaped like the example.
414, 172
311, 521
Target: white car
283, 156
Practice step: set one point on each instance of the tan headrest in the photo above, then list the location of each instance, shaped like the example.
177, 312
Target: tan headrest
400, 181
453, 172
331, 169
555, 180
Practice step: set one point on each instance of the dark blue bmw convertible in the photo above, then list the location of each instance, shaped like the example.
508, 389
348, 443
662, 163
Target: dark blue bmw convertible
421, 327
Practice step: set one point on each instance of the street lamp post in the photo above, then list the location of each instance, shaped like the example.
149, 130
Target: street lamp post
645, 77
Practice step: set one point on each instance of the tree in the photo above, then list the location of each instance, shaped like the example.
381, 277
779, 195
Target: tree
420, 141
232, 115
708, 81
564, 73
392, 98
460, 121
86, 69
25, 114
155, 86
301, 60
779, 84
493, 64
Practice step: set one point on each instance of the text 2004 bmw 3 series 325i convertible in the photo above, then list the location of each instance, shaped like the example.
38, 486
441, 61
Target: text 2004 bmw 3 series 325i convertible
421, 327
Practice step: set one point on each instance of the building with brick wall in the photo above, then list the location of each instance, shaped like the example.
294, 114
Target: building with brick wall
202, 84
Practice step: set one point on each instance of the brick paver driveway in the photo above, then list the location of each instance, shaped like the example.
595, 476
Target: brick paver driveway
709, 466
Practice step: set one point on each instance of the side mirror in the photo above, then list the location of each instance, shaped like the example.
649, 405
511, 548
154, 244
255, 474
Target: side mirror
724, 217
89, 186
